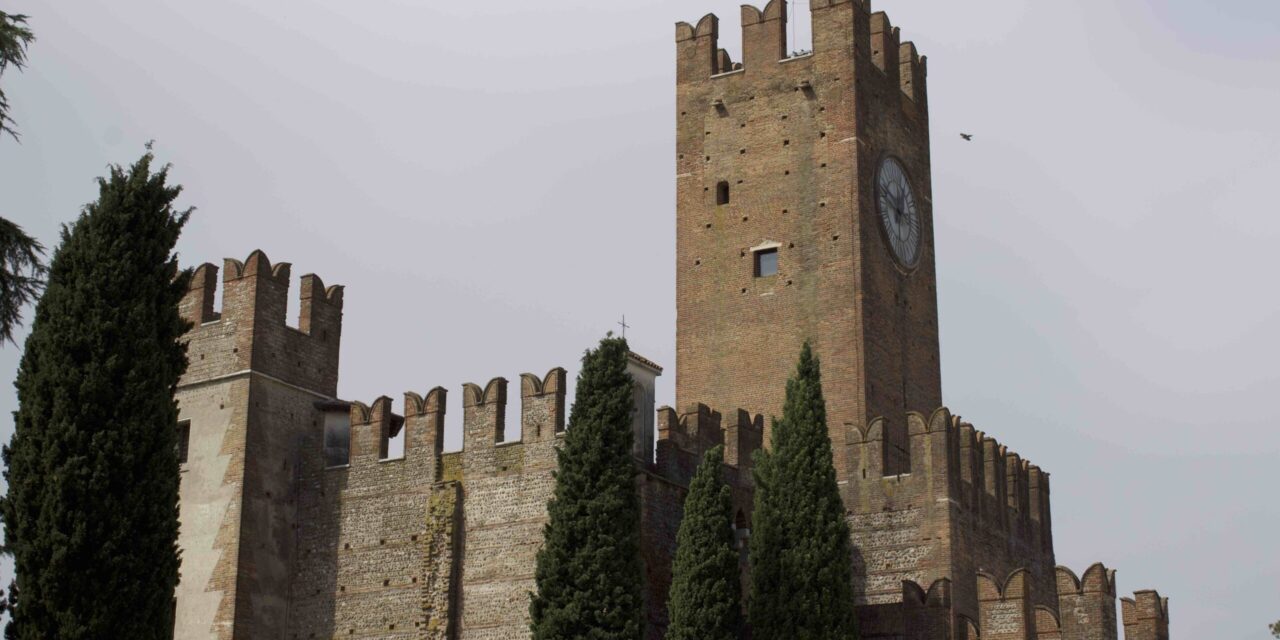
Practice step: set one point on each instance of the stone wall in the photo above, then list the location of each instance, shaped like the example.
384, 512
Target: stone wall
363, 534
505, 486
427, 545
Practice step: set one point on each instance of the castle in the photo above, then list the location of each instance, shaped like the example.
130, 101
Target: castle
804, 211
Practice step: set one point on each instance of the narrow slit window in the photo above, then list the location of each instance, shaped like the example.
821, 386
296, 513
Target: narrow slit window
184, 440
766, 262
722, 192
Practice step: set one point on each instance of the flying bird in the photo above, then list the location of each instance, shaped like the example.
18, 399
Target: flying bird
967, 136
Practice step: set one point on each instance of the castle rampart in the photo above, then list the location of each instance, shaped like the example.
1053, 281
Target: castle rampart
306, 516
387, 534
1146, 616
250, 331
327, 529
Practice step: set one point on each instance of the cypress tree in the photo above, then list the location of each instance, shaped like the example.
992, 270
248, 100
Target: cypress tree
801, 562
91, 513
588, 570
706, 592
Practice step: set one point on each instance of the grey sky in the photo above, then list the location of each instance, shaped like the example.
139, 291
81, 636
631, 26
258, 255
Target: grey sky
493, 181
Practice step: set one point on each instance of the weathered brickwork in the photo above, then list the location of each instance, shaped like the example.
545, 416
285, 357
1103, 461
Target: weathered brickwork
440, 566
249, 395
1146, 616
797, 141
306, 516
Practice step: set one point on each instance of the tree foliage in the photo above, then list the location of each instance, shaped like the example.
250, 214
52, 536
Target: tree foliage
801, 561
20, 266
588, 570
91, 513
20, 275
705, 601
14, 38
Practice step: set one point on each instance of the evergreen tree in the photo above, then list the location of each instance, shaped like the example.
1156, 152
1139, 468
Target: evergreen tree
20, 273
801, 562
91, 513
14, 38
20, 267
588, 570
705, 602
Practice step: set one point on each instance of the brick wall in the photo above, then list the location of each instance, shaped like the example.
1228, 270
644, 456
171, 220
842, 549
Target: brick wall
798, 141
249, 393
506, 486
363, 538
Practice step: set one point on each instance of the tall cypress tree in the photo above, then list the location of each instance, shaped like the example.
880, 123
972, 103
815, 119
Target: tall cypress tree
801, 563
705, 602
588, 570
91, 514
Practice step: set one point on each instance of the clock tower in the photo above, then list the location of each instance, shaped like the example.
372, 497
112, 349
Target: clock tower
804, 212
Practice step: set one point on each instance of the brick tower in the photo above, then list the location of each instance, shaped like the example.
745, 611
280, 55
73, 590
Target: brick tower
781, 233
252, 406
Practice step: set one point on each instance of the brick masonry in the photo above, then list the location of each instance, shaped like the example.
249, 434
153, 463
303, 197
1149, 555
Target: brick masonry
951, 530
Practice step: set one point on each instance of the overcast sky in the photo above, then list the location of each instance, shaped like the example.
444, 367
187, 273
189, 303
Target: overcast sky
494, 183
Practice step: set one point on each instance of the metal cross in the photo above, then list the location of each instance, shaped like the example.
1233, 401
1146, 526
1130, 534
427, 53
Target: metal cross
624, 325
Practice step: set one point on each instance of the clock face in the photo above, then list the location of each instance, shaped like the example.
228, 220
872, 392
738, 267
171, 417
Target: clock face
898, 212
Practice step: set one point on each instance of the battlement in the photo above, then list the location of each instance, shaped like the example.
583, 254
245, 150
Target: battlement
1086, 605
1005, 606
962, 463
1146, 616
542, 419
841, 29
683, 439
926, 613
1097, 579
960, 482
250, 332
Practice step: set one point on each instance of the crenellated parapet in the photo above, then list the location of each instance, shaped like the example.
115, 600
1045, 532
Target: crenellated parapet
683, 438
926, 613
250, 331
1146, 616
419, 430
390, 531
842, 29
967, 504
949, 459
488, 449
1086, 605
1005, 610
484, 415
542, 410
372, 425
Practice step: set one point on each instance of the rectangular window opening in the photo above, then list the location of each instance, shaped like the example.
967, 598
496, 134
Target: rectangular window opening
337, 438
766, 262
722, 192
184, 440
